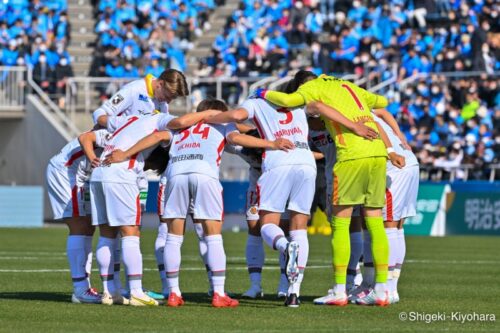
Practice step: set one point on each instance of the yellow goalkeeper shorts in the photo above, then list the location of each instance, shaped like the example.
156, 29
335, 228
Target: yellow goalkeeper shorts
360, 182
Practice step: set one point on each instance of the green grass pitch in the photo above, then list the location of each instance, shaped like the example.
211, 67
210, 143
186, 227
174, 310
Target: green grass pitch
441, 275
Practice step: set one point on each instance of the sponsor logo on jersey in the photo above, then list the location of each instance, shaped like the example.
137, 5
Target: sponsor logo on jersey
117, 99
143, 98
187, 157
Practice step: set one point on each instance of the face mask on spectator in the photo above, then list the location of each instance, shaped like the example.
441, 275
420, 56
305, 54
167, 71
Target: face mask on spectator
242, 65
453, 129
435, 90
42, 59
62, 18
43, 47
356, 4
485, 48
130, 35
128, 67
453, 114
63, 62
315, 48
20, 61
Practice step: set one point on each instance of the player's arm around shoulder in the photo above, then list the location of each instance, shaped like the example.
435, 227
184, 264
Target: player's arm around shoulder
396, 159
233, 116
191, 119
358, 128
149, 141
87, 141
236, 138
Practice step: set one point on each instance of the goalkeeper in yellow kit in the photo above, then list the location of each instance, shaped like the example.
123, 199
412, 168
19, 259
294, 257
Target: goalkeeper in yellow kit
359, 174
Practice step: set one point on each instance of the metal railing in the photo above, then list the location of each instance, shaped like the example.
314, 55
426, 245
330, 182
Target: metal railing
67, 122
12, 88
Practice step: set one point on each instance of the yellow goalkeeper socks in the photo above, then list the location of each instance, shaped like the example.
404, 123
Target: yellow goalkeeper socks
341, 246
380, 247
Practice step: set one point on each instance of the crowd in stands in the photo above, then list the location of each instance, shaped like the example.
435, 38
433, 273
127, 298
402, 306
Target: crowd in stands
36, 34
139, 37
448, 120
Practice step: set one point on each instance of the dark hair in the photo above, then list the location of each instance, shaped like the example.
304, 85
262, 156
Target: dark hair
157, 160
175, 82
299, 79
212, 104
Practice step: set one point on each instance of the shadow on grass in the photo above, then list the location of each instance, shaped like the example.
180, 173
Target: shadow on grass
37, 296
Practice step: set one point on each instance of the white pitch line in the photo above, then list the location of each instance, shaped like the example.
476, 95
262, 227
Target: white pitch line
273, 260
145, 269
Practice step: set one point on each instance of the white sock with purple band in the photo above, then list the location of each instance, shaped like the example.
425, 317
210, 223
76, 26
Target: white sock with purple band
172, 257
88, 255
132, 258
300, 236
392, 237
400, 257
217, 262
255, 257
161, 239
203, 248
274, 237
104, 255
75, 251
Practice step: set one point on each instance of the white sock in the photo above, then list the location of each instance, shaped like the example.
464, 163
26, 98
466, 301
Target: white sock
368, 269
356, 240
392, 237
203, 248
161, 238
132, 258
255, 257
400, 258
75, 251
339, 288
172, 257
217, 262
300, 236
88, 255
274, 237
104, 255
117, 259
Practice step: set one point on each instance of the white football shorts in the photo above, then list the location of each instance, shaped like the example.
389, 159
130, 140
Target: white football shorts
116, 204
294, 184
66, 198
194, 193
401, 193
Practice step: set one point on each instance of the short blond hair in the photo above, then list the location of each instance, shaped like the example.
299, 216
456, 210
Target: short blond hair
175, 82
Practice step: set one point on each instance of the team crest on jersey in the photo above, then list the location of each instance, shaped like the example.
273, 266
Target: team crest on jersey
143, 98
117, 99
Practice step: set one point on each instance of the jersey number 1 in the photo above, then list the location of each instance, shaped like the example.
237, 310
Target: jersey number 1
354, 96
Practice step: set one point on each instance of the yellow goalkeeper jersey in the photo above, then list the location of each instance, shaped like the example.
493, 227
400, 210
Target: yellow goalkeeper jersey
354, 103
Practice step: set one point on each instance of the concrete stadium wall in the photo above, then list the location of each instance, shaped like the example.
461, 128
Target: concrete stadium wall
27, 145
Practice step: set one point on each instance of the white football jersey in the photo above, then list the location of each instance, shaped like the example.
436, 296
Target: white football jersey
132, 131
255, 163
410, 158
325, 144
72, 158
275, 122
135, 98
198, 149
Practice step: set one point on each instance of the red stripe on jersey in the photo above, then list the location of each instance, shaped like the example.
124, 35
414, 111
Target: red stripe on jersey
132, 161
130, 121
219, 151
160, 195
258, 195
74, 201
138, 207
354, 96
388, 213
74, 157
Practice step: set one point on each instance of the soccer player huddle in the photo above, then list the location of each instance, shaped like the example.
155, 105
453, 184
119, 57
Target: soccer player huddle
98, 179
